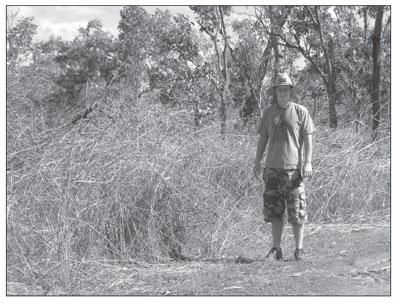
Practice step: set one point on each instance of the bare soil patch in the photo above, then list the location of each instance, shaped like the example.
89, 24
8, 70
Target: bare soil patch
340, 260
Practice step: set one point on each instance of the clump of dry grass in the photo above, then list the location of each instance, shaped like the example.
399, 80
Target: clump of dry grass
135, 180
351, 181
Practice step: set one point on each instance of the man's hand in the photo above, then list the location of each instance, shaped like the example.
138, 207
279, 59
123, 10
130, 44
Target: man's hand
307, 170
256, 169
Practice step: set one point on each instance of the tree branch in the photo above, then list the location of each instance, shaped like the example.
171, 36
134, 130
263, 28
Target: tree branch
214, 39
311, 15
301, 49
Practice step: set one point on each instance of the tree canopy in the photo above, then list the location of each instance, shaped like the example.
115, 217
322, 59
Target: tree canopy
333, 52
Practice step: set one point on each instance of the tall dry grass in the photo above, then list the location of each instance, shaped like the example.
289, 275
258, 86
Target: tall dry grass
136, 180
351, 181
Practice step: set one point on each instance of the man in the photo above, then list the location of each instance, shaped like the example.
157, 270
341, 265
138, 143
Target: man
286, 126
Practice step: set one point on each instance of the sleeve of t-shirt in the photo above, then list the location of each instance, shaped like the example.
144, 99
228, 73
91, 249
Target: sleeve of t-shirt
262, 127
307, 123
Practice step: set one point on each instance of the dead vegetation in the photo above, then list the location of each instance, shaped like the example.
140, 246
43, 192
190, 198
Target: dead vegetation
134, 180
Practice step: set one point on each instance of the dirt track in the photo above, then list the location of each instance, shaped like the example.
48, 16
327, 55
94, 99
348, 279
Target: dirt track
340, 260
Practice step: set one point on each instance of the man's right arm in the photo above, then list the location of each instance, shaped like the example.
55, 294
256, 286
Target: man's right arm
262, 143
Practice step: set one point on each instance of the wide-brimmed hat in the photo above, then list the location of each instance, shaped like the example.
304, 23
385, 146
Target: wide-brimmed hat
282, 79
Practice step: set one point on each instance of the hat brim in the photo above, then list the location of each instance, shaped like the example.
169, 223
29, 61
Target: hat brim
296, 91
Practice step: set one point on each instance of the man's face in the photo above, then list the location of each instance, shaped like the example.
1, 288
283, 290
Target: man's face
283, 93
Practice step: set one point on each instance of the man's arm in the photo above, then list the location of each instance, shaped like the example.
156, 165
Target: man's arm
262, 143
308, 156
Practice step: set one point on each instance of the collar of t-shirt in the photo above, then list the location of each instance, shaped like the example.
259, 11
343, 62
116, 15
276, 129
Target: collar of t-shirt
284, 108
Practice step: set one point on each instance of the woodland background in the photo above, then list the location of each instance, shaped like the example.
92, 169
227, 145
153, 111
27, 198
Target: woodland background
140, 146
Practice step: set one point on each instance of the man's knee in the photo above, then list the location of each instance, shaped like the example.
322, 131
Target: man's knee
298, 218
297, 225
277, 220
296, 206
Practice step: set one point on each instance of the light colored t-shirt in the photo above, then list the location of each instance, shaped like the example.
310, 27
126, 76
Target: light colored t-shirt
285, 130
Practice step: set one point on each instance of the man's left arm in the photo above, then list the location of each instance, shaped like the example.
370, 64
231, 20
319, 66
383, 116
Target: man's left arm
307, 170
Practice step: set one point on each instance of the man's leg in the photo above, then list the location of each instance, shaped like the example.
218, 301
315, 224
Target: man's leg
298, 232
277, 229
274, 208
298, 236
296, 206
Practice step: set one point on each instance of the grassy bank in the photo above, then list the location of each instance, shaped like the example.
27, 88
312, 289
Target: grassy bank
136, 180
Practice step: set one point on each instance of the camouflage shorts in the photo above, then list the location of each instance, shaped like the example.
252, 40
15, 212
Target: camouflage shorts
284, 185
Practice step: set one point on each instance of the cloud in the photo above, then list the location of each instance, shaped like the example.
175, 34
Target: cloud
67, 31
65, 21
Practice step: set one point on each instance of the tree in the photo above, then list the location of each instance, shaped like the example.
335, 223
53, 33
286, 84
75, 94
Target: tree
46, 51
353, 61
211, 22
163, 51
307, 34
269, 20
350, 63
246, 54
19, 38
278, 19
174, 57
92, 55
375, 85
135, 33
385, 79
136, 39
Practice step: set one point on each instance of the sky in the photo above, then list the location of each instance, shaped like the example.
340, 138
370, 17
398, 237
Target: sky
65, 21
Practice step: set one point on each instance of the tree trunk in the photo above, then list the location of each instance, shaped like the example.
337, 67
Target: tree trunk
365, 12
332, 112
358, 114
314, 113
265, 60
223, 114
278, 68
197, 117
221, 91
329, 83
226, 73
262, 71
376, 50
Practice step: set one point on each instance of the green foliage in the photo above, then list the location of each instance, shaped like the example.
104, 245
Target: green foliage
161, 48
175, 52
351, 61
135, 33
303, 32
174, 36
246, 57
211, 21
209, 17
92, 55
19, 39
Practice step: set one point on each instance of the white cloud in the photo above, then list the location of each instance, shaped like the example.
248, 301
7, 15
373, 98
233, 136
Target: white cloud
65, 20
67, 31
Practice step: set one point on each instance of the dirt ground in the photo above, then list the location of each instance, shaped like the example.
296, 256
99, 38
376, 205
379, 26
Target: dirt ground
340, 260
